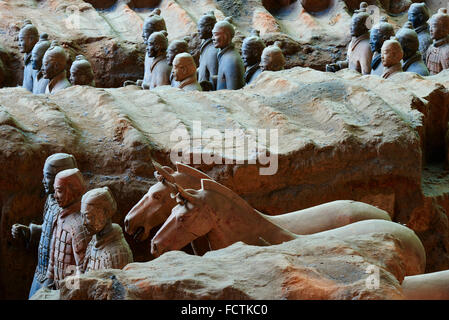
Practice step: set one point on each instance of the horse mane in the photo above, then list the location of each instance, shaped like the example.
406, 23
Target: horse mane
183, 168
212, 185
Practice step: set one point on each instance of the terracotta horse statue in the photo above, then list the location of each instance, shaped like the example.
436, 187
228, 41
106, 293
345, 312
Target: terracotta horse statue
156, 205
224, 218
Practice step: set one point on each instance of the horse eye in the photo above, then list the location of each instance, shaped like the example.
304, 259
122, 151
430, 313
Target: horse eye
156, 196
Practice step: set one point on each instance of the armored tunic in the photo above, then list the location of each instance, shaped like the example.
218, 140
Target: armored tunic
230, 69
208, 66
40, 83
424, 38
252, 73
438, 56
415, 64
28, 73
108, 251
69, 242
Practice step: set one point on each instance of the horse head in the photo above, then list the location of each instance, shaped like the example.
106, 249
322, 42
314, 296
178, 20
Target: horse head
156, 205
189, 220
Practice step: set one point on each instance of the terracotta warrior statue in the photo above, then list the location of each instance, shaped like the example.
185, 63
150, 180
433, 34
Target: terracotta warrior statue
174, 48
208, 66
108, 248
392, 54
378, 35
153, 23
184, 72
70, 238
37, 55
159, 71
252, 48
412, 60
437, 58
359, 53
418, 14
28, 37
81, 72
54, 69
40, 235
272, 58
230, 64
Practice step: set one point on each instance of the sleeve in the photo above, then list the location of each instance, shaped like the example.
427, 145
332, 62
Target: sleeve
445, 58
51, 263
365, 62
80, 242
35, 234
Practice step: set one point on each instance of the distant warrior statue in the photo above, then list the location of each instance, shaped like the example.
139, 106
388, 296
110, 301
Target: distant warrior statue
54, 68
70, 238
412, 60
437, 58
392, 54
359, 53
230, 64
37, 55
184, 72
108, 248
208, 65
81, 72
252, 49
418, 14
159, 71
28, 37
40, 235
272, 58
176, 47
379, 34
153, 23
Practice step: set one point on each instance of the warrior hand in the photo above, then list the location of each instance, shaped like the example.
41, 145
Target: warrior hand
49, 283
333, 67
20, 231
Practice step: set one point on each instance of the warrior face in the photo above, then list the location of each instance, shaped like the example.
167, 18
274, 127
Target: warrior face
221, 37
27, 39
94, 217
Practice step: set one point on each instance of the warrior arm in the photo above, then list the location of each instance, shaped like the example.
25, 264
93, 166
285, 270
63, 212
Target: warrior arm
35, 233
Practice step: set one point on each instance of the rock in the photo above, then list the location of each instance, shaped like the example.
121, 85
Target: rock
341, 136
430, 286
321, 268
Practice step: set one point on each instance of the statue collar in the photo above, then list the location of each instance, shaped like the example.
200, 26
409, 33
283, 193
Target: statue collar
439, 43
225, 49
250, 71
55, 80
187, 81
415, 58
355, 41
74, 207
377, 59
421, 28
111, 233
391, 70
27, 58
205, 43
157, 60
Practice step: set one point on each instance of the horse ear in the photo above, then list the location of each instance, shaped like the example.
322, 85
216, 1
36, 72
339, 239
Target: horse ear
183, 168
184, 194
165, 172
